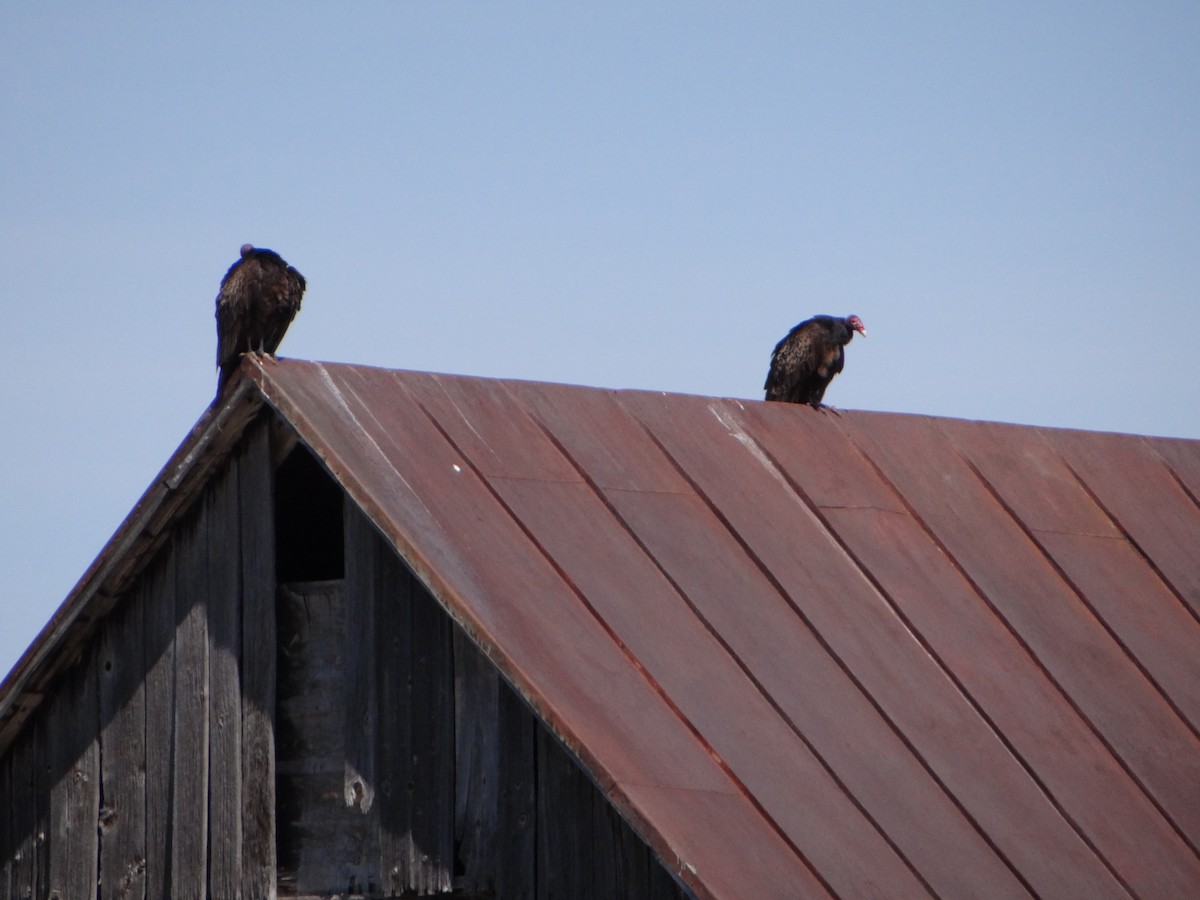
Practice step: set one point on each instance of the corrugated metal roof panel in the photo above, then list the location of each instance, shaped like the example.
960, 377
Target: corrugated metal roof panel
867, 620
857, 654
1045, 613
1130, 482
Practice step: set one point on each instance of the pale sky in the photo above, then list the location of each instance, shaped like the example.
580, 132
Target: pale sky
640, 195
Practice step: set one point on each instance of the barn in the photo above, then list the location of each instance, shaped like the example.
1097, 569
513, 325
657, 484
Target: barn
375, 633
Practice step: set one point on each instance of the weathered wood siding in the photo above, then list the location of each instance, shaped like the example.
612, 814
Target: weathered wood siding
126, 782
408, 766
224, 736
256, 516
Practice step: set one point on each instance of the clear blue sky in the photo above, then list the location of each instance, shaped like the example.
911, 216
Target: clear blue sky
621, 194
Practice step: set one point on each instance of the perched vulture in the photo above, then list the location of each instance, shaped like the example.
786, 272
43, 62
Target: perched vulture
806, 360
259, 297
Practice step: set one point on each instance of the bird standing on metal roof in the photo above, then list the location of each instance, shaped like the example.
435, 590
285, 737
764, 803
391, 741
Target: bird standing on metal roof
259, 297
805, 361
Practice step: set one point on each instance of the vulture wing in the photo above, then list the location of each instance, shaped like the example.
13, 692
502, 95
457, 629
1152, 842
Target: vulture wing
259, 297
807, 359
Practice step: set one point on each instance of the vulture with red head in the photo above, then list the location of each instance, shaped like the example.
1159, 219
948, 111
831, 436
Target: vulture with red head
259, 297
808, 357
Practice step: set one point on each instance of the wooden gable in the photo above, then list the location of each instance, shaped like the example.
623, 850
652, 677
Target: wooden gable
228, 734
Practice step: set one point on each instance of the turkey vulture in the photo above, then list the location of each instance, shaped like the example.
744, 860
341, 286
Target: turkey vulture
259, 297
805, 361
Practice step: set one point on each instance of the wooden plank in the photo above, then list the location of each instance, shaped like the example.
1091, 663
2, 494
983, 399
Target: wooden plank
432, 775
160, 720
393, 650
189, 792
496, 779
361, 560
74, 784
307, 728
649, 878
585, 849
516, 845
21, 752
477, 767
623, 864
611, 871
222, 561
120, 668
614, 873
256, 505
41, 783
564, 824
416, 731
7, 841
324, 845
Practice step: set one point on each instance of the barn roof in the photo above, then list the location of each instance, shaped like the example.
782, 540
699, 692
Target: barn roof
803, 653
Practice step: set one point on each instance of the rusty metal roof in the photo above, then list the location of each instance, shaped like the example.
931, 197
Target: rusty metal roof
806, 654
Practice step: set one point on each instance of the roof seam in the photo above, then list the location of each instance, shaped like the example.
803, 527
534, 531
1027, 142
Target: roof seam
1179, 480
527, 478
976, 705
627, 490
1032, 529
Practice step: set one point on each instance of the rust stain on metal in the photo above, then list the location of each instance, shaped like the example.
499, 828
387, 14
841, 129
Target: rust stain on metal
805, 654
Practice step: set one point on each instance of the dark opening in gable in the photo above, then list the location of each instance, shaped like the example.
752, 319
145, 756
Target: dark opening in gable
308, 521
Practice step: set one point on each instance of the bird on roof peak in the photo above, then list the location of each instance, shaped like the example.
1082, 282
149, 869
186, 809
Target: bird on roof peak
808, 357
258, 298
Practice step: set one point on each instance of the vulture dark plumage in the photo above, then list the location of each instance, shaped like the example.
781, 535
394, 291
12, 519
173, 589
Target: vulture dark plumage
259, 297
808, 357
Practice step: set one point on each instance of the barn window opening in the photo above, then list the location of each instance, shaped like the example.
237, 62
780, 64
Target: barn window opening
308, 521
